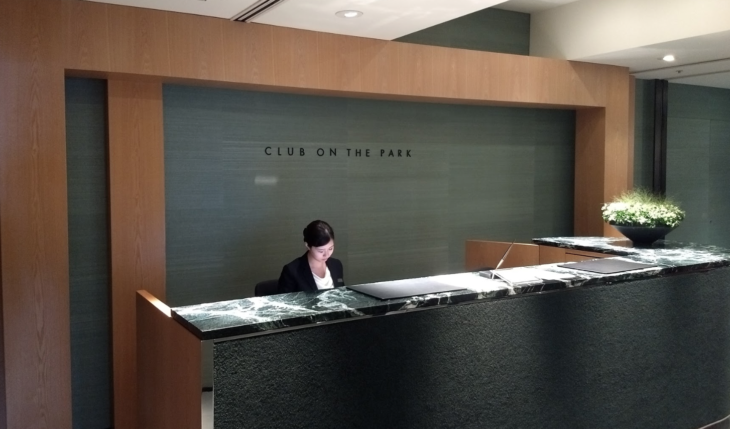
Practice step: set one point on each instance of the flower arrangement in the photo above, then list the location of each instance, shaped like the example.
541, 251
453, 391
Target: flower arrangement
642, 208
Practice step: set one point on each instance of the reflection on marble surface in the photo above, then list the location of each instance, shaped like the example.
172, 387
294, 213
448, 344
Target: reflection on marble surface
682, 256
272, 313
254, 315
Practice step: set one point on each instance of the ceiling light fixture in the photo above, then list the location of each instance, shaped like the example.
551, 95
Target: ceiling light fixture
349, 13
668, 58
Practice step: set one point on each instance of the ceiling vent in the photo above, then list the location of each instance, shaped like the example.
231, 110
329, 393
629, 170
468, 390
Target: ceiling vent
255, 10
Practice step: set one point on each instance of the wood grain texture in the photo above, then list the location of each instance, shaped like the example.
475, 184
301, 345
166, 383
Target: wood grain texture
551, 254
415, 69
137, 212
338, 61
590, 171
247, 53
86, 45
198, 42
155, 43
572, 255
138, 42
618, 148
477, 75
169, 369
482, 254
33, 218
295, 58
378, 66
452, 64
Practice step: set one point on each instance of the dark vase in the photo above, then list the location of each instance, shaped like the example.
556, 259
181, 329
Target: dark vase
643, 235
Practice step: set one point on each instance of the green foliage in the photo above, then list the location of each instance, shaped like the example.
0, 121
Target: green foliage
642, 208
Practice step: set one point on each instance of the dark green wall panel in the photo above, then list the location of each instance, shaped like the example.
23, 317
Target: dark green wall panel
718, 192
699, 102
644, 134
688, 176
235, 215
490, 29
553, 172
698, 151
88, 252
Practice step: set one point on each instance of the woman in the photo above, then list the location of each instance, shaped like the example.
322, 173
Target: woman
315, 270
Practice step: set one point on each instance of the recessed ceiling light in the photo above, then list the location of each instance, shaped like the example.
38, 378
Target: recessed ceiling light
349, 13
669, 58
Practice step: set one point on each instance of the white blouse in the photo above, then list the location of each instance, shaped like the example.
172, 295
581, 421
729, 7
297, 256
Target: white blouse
324, 283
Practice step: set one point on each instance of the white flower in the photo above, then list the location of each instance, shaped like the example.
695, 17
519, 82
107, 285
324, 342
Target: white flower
642, 209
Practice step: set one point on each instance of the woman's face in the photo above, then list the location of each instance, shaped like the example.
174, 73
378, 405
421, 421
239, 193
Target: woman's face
322, 253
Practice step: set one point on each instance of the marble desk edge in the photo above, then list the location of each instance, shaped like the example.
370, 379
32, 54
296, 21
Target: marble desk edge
271, 314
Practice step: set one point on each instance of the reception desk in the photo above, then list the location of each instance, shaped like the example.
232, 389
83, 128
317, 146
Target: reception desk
648, 349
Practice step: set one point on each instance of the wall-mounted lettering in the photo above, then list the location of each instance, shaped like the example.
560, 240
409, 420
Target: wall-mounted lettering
333, 152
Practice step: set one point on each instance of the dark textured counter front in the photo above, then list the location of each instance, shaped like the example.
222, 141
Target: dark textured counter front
261, 314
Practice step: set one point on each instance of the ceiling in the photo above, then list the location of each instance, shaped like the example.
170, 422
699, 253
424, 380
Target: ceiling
702, 55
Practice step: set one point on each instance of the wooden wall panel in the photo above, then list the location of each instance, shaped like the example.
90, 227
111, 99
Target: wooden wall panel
551, 255
33, 218
338, 61
477, 75
295, 58
137, 211
138, 41
572, 255
169, 363
247, 51
157, 44
502, 77
198, 41
482, 254
546, 88
619, 141
586, 83
501, 83
415, 69
87, 44
590, 171
378, 66
451, 63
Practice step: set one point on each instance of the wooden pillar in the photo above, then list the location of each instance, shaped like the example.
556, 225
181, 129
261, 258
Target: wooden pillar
35, 382
604, 147
169, 369
137, 211
590, 165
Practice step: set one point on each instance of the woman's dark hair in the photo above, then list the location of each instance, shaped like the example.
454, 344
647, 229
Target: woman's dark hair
318, 233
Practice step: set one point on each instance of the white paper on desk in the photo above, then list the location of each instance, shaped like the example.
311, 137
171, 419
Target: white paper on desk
546, 275
470, 281
517, 276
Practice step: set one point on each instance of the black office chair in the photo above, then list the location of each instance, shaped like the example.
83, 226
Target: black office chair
267, 287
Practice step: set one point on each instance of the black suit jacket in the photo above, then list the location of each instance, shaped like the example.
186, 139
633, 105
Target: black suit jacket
296, 276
